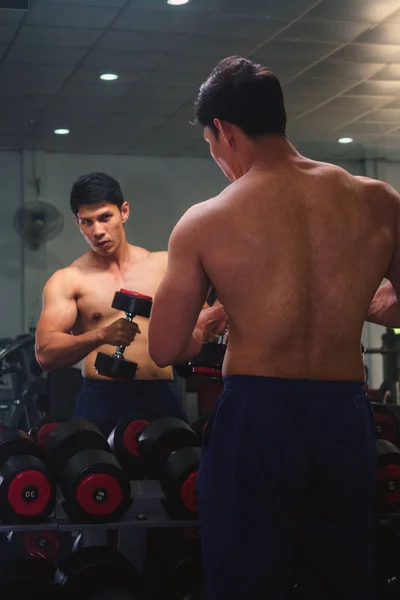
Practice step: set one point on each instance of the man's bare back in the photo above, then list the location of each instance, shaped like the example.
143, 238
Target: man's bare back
296, 255
90, 285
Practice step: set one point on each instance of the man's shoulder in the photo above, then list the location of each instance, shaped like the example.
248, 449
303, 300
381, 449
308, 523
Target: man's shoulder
67, 277
380, 189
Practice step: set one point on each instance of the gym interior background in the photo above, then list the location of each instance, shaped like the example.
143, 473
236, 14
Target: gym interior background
338, 60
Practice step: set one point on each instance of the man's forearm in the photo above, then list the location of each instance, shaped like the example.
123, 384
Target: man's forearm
62, 350
385, 307
192, 349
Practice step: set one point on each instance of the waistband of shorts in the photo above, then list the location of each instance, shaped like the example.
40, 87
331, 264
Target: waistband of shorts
88, 382
291, 386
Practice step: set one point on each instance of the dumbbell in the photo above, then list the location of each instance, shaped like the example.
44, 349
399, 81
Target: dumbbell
116, 366
209, 361
94, 486
42, 430
29, 580
27, 491
98, 570
165, 448
387, 423
388, 476
47, 544
199, 425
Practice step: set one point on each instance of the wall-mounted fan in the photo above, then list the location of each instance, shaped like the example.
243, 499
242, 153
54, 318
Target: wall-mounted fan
37, 222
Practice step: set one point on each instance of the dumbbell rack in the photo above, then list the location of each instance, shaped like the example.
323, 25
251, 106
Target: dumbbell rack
148, 510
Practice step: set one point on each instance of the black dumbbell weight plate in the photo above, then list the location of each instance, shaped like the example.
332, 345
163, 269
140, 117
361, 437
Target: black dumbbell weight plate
179, 475
159, 439
16, 443
90, 571
211, 355
388, 476
123, 441
27, 492
71, 437
44, 545
200, 424
114, 367
95, 488
29, 580
132, 303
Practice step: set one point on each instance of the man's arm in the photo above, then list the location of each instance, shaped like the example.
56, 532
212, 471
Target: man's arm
55, 347
175, 333
385, 306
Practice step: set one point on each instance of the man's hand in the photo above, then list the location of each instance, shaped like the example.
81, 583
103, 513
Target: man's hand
212, 322
120, 333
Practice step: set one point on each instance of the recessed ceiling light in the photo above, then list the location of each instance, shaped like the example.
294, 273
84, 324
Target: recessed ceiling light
61, 131
345, 140
177, 2
109, 77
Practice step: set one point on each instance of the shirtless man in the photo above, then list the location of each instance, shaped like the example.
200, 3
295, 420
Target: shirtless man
78, 300
296, 250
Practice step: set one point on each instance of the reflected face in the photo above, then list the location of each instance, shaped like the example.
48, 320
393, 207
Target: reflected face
220, 152
102, 226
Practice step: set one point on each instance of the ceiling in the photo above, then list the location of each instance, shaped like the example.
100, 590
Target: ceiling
339, 61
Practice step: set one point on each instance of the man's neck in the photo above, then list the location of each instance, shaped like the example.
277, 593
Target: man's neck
270, 152
118, 259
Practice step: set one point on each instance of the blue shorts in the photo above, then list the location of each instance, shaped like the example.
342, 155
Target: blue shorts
105, 403
286, 491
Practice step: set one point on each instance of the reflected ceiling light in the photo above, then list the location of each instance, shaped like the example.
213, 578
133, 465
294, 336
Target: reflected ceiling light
345, 140
61, 131
109, 77
177, 2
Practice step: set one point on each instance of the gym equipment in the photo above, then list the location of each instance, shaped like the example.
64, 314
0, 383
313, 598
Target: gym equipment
116, 366
387, 423
160, 438
123, 441
70, 437
89, 572
94, 487
388, 476
27, 493
200, 424
209, 361
42, 544
388, 565
42, 430
29, 580
179, 476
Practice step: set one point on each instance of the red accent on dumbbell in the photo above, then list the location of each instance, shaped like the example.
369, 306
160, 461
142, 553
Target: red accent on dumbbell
207, 371
21, 482
114, 377
130, 436
91, 484
135, 294
189, 492
43, 434
49, 552
388, 426
385, 475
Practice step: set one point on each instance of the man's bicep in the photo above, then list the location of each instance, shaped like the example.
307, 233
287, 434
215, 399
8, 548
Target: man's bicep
393, 273
59, 309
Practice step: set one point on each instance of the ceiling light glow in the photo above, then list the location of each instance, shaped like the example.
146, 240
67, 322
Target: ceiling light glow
61, 131
345, 140
177, 2
108, 76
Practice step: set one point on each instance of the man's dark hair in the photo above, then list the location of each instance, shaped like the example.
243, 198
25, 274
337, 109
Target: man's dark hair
93, 188
245, 94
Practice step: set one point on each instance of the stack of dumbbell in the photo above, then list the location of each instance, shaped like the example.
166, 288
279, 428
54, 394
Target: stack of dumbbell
166, 449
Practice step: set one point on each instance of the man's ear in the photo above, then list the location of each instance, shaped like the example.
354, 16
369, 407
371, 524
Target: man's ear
125, 211
225, 131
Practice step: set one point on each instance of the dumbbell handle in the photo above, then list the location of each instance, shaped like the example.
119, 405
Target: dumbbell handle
119, 353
